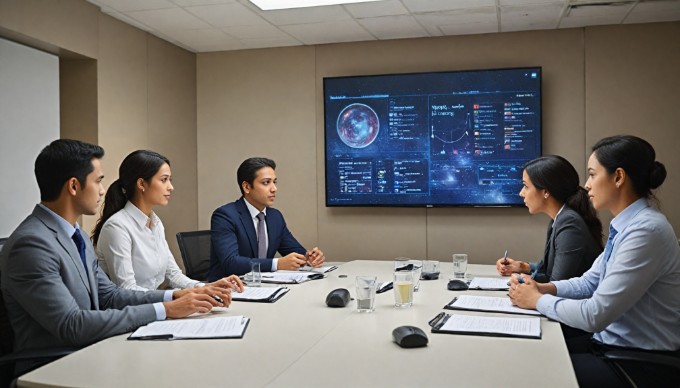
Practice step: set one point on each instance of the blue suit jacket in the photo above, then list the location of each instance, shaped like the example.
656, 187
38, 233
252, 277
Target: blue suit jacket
52, 302
234, 240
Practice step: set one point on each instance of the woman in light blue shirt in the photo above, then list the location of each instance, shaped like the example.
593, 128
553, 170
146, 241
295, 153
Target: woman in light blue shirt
630, 297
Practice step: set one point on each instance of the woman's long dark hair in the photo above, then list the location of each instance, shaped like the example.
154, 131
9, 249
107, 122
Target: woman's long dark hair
636, 157
556, 175
139, 164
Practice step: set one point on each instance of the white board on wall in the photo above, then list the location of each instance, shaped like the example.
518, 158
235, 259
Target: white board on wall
29, 120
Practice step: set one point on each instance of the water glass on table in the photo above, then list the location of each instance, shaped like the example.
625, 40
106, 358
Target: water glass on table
366, 287
460, 261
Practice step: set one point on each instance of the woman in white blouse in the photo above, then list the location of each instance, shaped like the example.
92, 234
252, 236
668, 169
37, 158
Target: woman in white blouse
129, 237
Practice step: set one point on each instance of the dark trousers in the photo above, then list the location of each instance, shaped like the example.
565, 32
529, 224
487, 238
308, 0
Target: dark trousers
593, 371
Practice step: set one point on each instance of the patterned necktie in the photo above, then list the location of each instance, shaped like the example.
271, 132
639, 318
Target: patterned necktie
610, 243
261, 237
80, 244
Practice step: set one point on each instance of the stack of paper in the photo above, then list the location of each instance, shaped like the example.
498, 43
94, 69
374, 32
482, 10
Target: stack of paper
259, 294
493, 326
487, 303
492, 284
222, 327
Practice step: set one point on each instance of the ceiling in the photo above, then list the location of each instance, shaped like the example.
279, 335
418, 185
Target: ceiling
221, 25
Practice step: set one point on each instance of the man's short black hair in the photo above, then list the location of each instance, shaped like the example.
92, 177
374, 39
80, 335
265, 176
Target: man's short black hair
62, 160
247, 171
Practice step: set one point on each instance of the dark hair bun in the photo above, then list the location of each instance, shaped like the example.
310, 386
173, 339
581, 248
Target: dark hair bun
657, 175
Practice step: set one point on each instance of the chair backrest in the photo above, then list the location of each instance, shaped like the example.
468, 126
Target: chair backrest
195, 250
6, 332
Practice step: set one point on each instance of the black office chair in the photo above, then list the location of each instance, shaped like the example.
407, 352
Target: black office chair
624, 359
195, 250
29, 359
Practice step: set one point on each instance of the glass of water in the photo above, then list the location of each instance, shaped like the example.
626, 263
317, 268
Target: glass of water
366, 286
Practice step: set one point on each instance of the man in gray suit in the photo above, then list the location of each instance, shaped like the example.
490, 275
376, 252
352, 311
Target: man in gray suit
56, 294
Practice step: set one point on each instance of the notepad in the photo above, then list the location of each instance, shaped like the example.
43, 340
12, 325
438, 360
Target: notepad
324, 269
491, 326
487, 304
489, 284
289, 277
221, 327
259, 294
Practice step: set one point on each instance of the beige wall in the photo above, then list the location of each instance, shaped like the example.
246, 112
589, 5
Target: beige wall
122, 88
270, 102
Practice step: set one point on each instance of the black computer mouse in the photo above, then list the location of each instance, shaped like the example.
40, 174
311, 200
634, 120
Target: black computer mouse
409, 337
338, 298
457, 285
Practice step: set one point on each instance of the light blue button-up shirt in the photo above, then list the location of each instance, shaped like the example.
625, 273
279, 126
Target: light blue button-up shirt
633, 299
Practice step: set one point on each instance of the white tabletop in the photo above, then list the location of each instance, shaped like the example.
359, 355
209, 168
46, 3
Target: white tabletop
298, 341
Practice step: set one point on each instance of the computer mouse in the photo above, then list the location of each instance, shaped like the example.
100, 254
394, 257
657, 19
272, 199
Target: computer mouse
457, 285
409, 337
338, 298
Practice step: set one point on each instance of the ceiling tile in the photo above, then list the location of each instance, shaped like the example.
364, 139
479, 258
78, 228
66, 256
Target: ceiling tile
197, 37
594, 15
169, 19
478, 19
394, 27
128, 20
189, 3
265, 31
331, 32
419, 6
133, 5
504, 3
310, 15
274, 42
224, 15
660, 11
377, 8
469, 28
521, 18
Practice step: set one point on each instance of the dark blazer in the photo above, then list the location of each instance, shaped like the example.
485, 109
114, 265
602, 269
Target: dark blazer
234, 240
570, 249
52, 302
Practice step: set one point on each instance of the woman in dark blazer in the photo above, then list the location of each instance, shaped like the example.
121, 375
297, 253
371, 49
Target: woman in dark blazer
550, 185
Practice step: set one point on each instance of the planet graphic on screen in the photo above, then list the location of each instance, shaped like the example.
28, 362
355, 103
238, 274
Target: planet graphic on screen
358, 125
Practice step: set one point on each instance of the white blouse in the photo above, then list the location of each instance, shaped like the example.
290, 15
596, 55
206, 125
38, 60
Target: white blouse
135, 256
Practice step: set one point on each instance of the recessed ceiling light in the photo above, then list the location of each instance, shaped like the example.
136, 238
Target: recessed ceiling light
268, 5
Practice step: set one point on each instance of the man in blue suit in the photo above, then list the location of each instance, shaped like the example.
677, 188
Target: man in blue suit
237, 228
55, 292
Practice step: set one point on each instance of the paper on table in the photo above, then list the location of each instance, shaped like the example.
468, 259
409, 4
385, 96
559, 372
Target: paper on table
258, 293
516, 327
289, 277
323, 269
222, 327
487, 303
489, 284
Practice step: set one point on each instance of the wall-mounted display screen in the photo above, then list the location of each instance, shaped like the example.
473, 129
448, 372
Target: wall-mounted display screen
431, 139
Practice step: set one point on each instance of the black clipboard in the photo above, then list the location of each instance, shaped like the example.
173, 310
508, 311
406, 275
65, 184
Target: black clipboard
170, 336
270, 299
437, 323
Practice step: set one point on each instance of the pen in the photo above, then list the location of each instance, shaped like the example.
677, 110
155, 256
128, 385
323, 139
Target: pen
505, 258
520, 279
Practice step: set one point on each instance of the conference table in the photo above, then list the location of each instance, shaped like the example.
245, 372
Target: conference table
299, 341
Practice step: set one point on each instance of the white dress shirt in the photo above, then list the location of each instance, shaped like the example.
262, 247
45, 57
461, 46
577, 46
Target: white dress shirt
137, 256
632, 299
253, 215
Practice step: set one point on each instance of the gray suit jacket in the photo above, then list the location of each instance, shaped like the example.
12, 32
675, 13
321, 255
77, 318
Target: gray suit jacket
570, 250
52, 302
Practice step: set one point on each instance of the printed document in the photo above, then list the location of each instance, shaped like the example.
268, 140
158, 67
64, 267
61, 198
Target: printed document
220, 327
472, 324
489, 284
258, 293
487, 303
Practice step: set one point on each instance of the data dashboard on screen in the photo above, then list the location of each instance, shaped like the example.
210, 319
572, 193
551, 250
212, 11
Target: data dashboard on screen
431, 139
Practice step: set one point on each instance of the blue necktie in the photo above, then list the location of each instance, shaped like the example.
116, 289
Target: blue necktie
610, 243
261, 237
80, 244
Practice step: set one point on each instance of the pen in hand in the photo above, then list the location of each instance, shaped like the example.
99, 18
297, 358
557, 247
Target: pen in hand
505, 258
